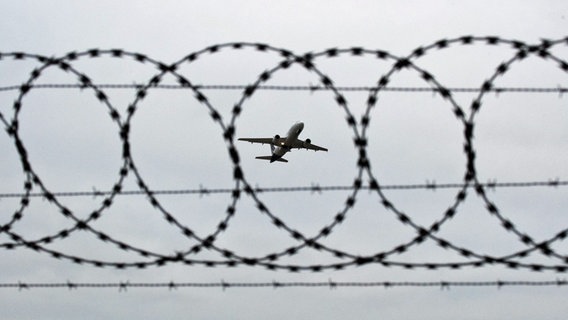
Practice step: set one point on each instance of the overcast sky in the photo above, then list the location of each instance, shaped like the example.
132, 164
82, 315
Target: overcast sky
413, 138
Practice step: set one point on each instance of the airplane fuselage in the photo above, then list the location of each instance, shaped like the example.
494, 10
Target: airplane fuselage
280, 150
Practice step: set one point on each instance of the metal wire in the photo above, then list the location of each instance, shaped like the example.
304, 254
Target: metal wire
558, 89
242, 187
330, 284
314, 188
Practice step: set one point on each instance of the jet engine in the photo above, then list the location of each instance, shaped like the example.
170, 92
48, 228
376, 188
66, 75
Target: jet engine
307, 142
275, 139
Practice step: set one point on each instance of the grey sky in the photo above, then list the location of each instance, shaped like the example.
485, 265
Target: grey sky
413, 138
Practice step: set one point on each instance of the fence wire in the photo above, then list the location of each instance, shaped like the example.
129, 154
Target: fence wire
330, 284
364, 179
560, 90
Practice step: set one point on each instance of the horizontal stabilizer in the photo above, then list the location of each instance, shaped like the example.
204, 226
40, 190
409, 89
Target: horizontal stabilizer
269, 158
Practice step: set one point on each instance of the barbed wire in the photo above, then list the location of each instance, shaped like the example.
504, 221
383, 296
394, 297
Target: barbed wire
242, 187
561, 90
330, 284
314, 188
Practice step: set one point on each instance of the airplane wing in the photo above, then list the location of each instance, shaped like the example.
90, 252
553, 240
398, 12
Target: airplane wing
300, 144
279, 141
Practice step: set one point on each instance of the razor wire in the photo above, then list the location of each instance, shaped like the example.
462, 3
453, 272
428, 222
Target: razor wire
242, 186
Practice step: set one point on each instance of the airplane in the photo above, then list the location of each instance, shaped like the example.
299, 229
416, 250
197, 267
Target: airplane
279, 146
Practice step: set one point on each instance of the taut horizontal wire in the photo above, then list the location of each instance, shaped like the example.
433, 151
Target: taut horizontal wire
558, 89
123, 286
313, 188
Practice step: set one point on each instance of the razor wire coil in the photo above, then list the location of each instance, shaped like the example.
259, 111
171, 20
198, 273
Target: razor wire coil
242, 187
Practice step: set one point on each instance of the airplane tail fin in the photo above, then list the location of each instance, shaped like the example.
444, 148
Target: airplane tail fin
269, 158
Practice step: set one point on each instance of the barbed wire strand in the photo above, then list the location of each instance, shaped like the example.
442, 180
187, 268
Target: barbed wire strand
314, 188
330, 284
558, 89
